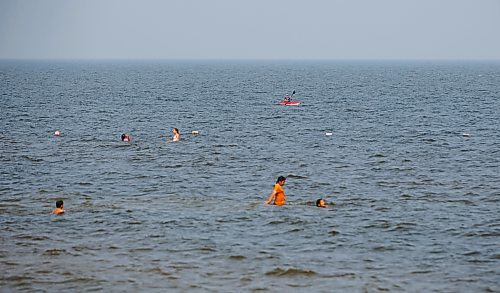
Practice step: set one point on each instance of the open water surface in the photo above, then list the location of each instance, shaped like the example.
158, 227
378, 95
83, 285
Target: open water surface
415, 203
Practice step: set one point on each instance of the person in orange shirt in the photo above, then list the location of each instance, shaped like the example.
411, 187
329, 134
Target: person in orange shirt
59, 208
278, 193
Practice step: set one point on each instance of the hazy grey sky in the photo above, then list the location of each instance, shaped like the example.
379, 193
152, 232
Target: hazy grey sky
250, 29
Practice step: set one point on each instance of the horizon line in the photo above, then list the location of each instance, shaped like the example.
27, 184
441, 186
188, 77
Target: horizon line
251, 59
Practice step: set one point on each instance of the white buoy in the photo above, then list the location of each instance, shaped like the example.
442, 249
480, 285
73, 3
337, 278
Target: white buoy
466, 134
195, 132
328, 133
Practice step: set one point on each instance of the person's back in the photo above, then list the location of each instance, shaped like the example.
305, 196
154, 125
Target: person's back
59, 208
278, 193
279, 198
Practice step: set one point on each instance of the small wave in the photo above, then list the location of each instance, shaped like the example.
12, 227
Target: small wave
159, 271
406, 196
382, 209
276, 222
84, 183
34, 238
333, 232
82, 280
479, 261
140, 249
291, 272
134, 223
421, 272
296, 176
19, 279
226, 145
482, 234
84, 248
32, 159
207, 249
383, 248
463, 201
54, 251
342, 275
382, 224
403, 227
298, 285
237, 257
469, 253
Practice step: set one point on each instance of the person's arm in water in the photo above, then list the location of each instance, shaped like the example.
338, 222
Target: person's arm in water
271, 197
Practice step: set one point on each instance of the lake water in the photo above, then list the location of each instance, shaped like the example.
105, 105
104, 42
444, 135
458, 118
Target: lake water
415, 203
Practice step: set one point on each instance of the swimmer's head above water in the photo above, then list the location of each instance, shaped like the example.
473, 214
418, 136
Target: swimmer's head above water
321, 203
126, 137
59, 208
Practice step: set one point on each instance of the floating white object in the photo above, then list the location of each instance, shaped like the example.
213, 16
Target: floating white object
57, 133
329, 133
194, 132
465, 134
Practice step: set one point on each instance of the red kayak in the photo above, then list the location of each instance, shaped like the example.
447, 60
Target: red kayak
290, 103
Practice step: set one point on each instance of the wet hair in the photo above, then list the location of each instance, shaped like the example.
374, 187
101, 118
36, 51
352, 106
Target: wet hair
281, 178
318, 202
176, 130
59, 204
123, 136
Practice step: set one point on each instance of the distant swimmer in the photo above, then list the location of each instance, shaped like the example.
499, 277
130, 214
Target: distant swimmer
278, 194
59, 208
126, 137
177, 134
321, 203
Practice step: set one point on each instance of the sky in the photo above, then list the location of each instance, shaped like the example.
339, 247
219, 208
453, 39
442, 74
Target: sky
250, 29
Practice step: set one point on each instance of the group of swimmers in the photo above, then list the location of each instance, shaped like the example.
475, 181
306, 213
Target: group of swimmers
278, 197
177, 136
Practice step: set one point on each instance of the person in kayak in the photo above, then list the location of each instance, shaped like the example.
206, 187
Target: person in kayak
278, 194
288, 98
